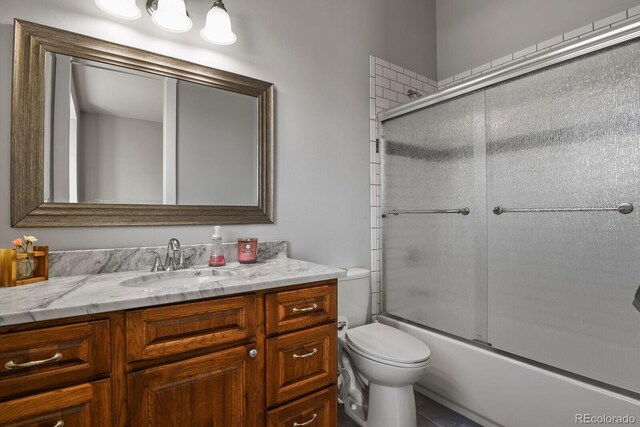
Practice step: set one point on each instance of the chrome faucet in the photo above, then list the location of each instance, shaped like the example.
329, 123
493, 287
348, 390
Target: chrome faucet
157, 263
171, 263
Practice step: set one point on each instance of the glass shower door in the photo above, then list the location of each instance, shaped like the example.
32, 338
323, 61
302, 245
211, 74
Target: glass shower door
561, 284
435, 264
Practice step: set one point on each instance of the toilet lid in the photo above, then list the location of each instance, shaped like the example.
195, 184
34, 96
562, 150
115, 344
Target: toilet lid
387, 343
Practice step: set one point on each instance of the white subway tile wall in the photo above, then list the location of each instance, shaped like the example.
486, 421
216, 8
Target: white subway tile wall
481, 68
499, 61
382, 62
462, 75
518, 54
579, 31
610, 20
550, 42
389, 86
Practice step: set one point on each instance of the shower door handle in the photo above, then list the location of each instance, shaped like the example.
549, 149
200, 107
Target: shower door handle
396, 212
623, 208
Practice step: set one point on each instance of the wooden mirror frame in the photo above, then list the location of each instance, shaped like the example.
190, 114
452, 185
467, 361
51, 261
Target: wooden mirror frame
28, 209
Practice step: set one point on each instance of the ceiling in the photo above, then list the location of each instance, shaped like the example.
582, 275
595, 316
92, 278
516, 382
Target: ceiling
116, 91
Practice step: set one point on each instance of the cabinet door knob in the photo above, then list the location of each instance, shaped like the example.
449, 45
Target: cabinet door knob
10, 365
60, 423
253, 352
306, 423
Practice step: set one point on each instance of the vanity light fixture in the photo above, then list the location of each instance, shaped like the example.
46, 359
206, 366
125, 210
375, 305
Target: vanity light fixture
217, 29
125, 9
170, 15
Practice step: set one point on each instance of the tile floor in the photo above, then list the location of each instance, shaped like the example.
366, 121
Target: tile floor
430, 414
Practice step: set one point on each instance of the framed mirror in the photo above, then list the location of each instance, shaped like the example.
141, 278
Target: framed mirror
104, 135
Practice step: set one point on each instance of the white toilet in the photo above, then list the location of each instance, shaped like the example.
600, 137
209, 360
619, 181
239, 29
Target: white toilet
378, 364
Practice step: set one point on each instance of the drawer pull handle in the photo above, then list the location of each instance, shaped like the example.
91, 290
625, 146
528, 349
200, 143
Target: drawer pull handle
60, 423
306, 423
306, 309
56, 357
304, 356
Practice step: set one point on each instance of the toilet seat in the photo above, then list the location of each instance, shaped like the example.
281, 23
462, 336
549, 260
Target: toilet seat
387, 345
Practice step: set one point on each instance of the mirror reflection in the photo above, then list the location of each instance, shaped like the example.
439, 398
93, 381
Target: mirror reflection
118, 136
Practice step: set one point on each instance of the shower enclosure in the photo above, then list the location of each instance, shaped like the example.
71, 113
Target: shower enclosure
511, 209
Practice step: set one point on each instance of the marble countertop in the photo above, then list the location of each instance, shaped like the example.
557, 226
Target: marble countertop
71, 296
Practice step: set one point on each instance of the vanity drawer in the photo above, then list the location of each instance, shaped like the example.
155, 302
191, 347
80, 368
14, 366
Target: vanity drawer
301, 362
81, 405
59, 356
298, 309
164, 331
317, 410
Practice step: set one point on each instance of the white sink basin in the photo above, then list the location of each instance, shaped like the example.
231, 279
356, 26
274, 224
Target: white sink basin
183, 279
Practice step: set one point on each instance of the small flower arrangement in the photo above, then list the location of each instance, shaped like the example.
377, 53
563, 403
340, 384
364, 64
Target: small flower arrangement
22, 245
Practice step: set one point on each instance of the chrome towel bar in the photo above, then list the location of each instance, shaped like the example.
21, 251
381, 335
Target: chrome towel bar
623, 208
396, 212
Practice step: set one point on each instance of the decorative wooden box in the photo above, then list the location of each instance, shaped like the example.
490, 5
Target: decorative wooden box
9, 270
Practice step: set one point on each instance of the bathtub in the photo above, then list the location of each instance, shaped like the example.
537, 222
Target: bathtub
496, 390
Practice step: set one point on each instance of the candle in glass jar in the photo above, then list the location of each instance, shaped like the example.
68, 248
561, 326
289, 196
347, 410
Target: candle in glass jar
247, 250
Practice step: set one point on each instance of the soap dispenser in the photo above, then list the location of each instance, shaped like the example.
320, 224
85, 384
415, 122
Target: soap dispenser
217, 255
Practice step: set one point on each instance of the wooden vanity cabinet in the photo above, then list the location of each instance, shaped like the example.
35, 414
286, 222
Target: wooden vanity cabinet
210, 390
258, 359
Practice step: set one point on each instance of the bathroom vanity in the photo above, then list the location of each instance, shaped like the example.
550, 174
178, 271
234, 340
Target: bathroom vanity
253, 346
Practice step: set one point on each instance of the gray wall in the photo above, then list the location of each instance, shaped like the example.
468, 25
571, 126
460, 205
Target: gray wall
119, 160
409, 30
217, 149
316, 53
473, 32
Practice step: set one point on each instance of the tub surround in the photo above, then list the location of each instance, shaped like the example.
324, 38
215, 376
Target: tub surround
78, 295
100, 261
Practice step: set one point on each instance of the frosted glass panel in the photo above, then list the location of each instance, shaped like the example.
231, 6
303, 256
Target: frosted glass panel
561, 285
434, 264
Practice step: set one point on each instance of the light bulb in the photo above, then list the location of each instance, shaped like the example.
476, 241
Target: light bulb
171, 15
217, 28
125, 9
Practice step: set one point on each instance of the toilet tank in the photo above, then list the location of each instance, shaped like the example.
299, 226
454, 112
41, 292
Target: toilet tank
354, 296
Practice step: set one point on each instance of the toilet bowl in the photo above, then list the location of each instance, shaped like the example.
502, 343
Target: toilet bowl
379, 364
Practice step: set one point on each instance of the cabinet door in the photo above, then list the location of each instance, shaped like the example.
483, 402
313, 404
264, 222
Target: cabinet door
78, 406
221, 389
